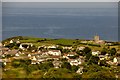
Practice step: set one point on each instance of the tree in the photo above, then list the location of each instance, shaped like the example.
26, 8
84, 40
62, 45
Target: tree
66, 65
87, 50
45, 66
74, 68
80, 52
113, 51
103, 63
104, 51
93, 60
88, 53
54, 73
87, 56
97, 72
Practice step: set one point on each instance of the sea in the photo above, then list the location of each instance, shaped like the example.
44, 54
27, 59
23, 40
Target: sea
60, 22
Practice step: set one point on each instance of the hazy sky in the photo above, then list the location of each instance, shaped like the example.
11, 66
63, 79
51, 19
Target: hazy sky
61, 4
60, 0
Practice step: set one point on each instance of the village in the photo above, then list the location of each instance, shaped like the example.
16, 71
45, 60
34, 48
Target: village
57, 54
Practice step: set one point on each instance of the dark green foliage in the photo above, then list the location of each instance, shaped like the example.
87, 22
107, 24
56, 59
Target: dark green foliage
103, 63
65, 51
13, 45
45, 66
32, 48
97, 72
20, 63
87, 50
112, 51
88, 56
93, 60
66, 65
80, 52
74, 68
104, 51
55, 74
2, 65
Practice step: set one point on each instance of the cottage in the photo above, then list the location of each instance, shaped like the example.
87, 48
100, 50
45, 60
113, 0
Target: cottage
95, 53
67, 47
80, 48
57, 64
71, 54
101, 57
75, 62
54, 52
116, 60
52, 47
24, 46
80, 70
65, 56
11, 41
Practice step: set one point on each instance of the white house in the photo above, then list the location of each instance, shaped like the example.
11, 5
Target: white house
115, 61
81, 48
95, 53
74, 62
17, 54
54, 52
52, 46
80, 70
11, 41
29, 55
101, 57
71, 54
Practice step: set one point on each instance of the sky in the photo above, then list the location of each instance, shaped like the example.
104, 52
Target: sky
60, 0
61, 4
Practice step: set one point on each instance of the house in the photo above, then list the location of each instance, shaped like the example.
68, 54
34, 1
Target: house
11, 52
80, 70
11, 41
65, 56
71, 54
24, 46
101, 57
75, 62
81, 48
65, 47
29, 55
54, 52
95, 53
55, 57
116, 60
33, 60
52, 47
57, 64
17, 54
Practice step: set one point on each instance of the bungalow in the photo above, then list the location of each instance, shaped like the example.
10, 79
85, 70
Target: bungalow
11, 41
95, 53
57, 64
80, 70
81, 48
54, 52
23, 46
71, 54
65, 56
116, 60
67, 47
101, 57
75, 62
11, 52
52, 47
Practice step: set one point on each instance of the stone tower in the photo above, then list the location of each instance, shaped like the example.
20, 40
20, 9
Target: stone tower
96, 38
